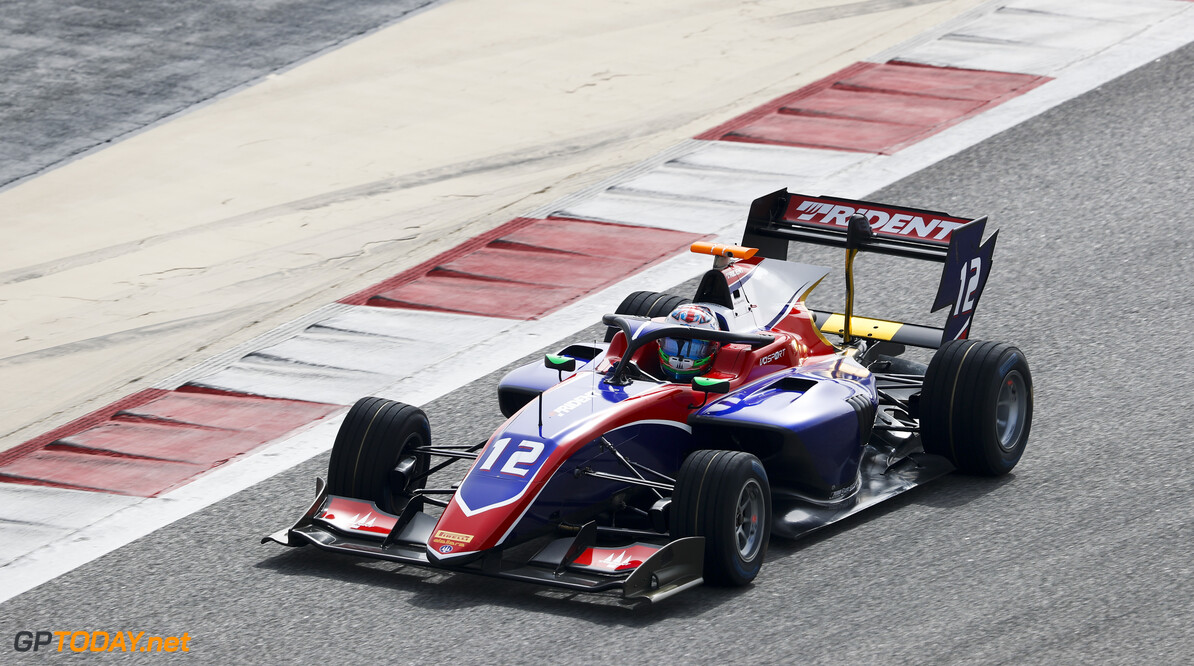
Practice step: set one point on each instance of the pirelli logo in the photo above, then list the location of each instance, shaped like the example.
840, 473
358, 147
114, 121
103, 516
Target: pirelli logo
453, 537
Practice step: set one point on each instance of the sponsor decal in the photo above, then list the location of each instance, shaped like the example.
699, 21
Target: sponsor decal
886, 221
842, 493
613, 561
736, 274
356, 516
98, 641
772, 357
574, 403
454, 537
362, 521
449, 541
616, 559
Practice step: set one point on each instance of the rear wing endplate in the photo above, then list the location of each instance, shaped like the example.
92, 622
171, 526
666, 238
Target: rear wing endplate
781, 217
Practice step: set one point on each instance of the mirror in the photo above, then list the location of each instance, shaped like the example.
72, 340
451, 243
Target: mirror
710, 385
561, 363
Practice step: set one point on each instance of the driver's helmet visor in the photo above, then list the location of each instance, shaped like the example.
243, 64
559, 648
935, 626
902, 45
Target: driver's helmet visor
686, 350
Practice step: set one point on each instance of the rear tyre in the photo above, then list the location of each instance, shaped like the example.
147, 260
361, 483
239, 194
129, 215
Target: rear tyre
646, 304
373, 457
976, 406
724, 496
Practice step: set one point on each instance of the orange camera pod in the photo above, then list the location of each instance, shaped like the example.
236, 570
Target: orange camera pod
719, 250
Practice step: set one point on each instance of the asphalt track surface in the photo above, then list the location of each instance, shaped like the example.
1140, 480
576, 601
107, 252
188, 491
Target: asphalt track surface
77, 75
1081, 555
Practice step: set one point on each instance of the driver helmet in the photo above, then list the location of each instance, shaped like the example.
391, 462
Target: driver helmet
681, 360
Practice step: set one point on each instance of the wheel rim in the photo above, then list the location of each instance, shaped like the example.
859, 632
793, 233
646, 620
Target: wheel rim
1010, 410
748, 520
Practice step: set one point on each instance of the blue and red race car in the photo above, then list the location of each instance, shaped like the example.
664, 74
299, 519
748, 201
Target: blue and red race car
610, 474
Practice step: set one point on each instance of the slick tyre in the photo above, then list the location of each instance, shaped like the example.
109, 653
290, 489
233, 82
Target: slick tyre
374, 455
646, 304
724, 496
976, 406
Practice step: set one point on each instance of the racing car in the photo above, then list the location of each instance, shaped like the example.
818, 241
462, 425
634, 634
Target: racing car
615, 473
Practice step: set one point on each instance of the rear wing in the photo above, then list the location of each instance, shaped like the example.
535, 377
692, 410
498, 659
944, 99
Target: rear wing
781, 217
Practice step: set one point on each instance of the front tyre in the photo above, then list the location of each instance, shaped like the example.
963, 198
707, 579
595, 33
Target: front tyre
976, 406
374, 457
724, 496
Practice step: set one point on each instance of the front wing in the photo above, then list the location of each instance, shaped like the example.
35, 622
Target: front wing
646, 569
